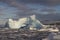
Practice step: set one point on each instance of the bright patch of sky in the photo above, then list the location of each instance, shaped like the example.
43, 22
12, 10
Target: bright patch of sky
57, 9
6, 11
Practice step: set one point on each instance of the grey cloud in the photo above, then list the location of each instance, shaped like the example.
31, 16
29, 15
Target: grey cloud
43, 2
19, 5
14, 3
49, 10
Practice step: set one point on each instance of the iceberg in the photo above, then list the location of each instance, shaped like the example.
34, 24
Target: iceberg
28, 22
35, 23
13, 24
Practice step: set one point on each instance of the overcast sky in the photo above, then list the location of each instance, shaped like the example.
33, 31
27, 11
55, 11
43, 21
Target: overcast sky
17, 8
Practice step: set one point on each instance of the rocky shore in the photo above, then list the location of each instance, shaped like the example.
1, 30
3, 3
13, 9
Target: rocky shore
11, 34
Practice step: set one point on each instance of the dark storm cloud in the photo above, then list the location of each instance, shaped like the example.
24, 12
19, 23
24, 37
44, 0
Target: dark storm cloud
23, 9
21, 6
43, 2
14, 3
